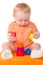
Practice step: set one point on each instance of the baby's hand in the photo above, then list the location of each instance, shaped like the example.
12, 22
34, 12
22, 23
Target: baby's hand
36, 34
12, 36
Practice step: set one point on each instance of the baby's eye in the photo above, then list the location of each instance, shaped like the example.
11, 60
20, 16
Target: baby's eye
26, 20
20, 20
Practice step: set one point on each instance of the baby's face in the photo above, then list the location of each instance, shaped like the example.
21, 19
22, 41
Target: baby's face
22, 18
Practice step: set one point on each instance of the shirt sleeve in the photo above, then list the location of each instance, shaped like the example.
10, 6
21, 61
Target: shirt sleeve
34, 28
10, 27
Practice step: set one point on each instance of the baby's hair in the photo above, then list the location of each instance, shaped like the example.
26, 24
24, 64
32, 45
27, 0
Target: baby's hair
22, 7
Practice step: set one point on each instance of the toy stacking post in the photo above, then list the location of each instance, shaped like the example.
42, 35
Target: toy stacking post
20, 49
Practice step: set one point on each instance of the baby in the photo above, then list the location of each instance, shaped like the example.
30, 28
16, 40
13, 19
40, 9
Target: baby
23, 27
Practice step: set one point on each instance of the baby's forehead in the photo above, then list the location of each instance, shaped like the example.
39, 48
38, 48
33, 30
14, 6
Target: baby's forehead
22, 18
22, 13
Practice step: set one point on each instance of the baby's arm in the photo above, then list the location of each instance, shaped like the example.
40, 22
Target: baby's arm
35, 31
11, 34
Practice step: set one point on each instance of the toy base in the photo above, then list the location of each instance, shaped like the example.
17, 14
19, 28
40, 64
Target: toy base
21, 60
19, 53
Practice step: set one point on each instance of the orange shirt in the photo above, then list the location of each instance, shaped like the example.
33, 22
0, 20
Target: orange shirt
22, 32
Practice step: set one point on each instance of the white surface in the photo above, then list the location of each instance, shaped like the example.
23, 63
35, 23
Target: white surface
36, 54
6, 12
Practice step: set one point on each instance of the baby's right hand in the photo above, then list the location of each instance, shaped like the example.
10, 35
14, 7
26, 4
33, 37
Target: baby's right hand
11, 37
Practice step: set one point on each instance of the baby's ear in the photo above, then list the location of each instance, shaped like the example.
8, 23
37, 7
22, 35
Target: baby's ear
13, 14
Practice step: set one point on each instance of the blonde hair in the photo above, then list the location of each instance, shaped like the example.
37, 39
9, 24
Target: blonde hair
22, 7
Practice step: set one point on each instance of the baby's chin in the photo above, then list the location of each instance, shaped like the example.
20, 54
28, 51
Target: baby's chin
23, 25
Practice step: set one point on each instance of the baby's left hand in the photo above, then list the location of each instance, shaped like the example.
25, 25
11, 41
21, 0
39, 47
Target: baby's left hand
36, 34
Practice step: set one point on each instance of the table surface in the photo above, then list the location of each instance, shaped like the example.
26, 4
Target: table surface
21, 60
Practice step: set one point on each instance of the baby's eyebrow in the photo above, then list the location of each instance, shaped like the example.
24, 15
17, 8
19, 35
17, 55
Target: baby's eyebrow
21, 19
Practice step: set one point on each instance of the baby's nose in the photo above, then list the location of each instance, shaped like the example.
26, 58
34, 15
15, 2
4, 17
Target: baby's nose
23, 22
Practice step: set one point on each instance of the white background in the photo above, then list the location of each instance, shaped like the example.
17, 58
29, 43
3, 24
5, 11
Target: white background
6, 12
